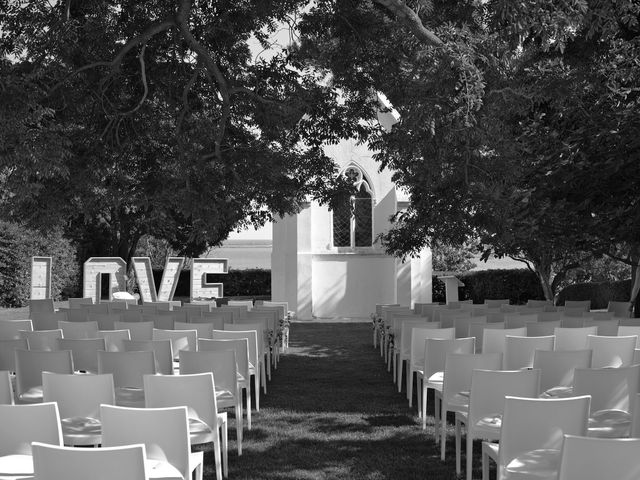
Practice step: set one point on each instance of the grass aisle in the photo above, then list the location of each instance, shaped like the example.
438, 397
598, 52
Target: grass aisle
332, 412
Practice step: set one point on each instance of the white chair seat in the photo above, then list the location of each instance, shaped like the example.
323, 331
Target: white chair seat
558, 392
459, 401
610, 424
542, 463
490, 422
164, 470
33, 395
223, 395
15, 465
437, 377
86, 429
129, 397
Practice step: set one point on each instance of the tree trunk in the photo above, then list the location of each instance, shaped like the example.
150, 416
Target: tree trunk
543, 272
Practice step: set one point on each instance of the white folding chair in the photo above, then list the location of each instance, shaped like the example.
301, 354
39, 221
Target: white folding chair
84, 352
197, 393
76, 330
417, 350
613, 392
483, 418
163, 431
573, 338
531, 436
611, 351
519, 351
456, 383
22, 425
585, 458
128, 369
44, 340
10, 329
29, 367
557, 370
79, 398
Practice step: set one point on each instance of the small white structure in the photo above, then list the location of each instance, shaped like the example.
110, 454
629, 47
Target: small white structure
330, 263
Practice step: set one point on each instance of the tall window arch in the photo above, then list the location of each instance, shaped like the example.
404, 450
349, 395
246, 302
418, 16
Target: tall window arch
353, 221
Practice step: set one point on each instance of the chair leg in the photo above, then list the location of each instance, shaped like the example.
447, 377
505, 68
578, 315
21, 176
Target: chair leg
409, 383
263, 376
438, 411
443, 431
256, 388
225, 448
419, 394
239, 423
217, 451
458, 447
399, 363
248, 393
469, 454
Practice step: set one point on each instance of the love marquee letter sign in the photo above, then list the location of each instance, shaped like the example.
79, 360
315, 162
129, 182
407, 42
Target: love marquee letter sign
97, 268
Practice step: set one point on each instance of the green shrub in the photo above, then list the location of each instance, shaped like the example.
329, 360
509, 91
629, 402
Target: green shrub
17, 245
599, 293
518, 285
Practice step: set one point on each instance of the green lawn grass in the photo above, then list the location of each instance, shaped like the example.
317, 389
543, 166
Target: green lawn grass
332, 412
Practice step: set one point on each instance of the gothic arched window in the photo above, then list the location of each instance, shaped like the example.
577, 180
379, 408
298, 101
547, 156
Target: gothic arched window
353, 222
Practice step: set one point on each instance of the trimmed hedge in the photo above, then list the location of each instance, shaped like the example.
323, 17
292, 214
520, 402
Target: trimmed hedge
17, 245
253, 282
599, 293
518, 285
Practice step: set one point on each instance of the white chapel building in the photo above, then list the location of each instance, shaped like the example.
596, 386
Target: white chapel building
329, 264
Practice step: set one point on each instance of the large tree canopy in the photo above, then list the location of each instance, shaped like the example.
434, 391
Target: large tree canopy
519, 120
126, 118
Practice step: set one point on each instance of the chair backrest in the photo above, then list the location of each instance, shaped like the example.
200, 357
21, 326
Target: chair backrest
238, 303
80, 302
418, 337
585, 305
131, 315
84, 352
458, 368
495, 317
489, 389
610, 388
608, 328
619, 309
635, 421
31, 363
627, 330
217, 318
539, 303
162, 349
221, 364
163, 431
493, 340
113, 339
436, 350
281, 311
404, 341
588, 458
79, 314
78, 395
106, 321
239, 311
463, 324
137, 330
495, 303
239, 345
611, 351
10, 329
252, 332
530, 424
231, 331
203, 330
6, 388
557, 367
72, 463
573, 312
162, 320
127, 368
577, 321
8, 355
47, 320
573, 338
542, 329
550, 317
88, 329
45, 340
196, 391
519, 351
519, 320
41, 305
180, 339
446, 316
23, 424
477, 330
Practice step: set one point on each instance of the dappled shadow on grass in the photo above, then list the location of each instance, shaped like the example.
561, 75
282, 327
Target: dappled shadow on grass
333, 412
